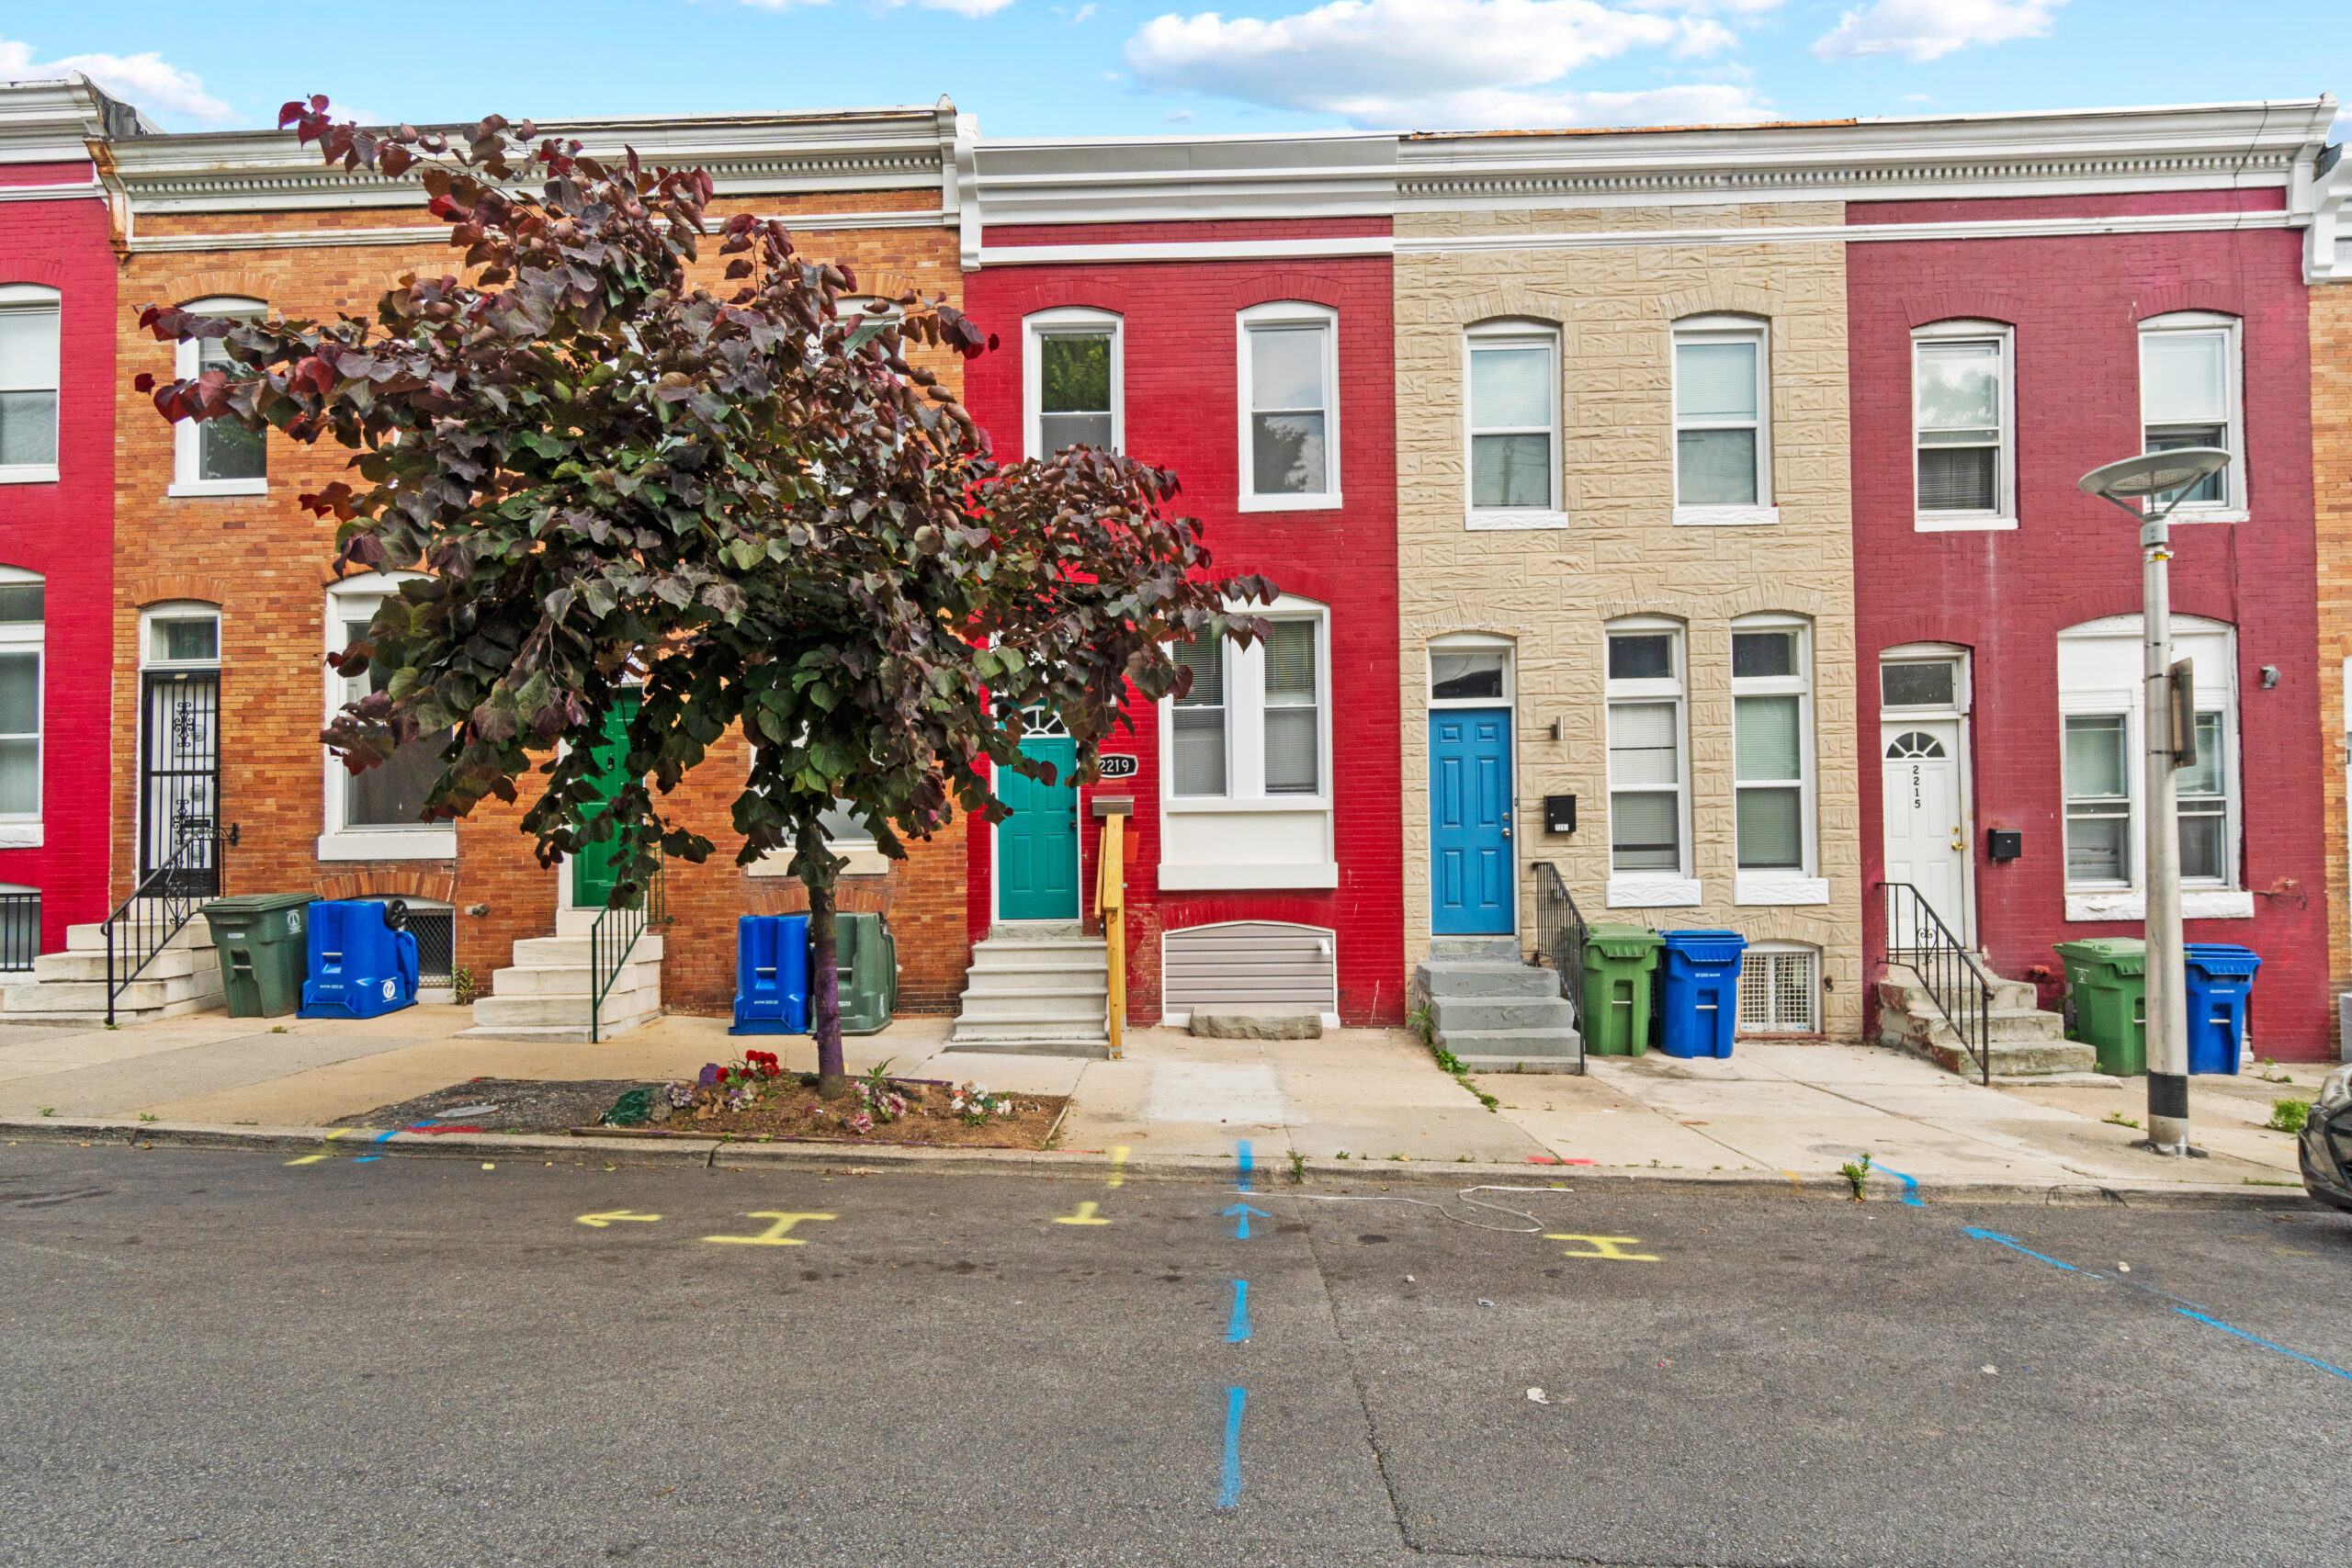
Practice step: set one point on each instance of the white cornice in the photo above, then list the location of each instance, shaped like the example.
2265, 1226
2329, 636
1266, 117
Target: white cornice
438, 234
54, 122
2327, 245
1186, 179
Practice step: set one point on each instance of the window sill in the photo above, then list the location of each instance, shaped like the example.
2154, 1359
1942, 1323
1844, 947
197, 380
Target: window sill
1651, 892
1515, 521
218, 487
20, 835
1211, 805
389, 844
1289, 502
2195, 904
863, 861
2211, 514
1779, 887
1724, 516
28, 474
1960, 523
1208, 878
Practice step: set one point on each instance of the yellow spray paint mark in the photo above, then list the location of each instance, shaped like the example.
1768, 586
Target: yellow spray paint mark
1609, 1246
1085, 1216
346, 1132
306, 1159
776, 1235
1795, 1185
1118, 1163
606, 1218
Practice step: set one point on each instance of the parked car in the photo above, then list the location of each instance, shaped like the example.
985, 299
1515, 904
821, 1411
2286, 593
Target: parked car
2326, 1143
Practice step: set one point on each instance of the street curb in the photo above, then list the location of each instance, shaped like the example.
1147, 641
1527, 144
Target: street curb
1093, 1165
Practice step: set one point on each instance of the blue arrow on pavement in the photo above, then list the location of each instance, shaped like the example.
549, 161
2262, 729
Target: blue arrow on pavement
1241, 1213
1237, 1329
1241, 1158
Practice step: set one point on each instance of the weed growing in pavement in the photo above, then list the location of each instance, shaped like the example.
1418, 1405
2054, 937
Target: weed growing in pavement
1450, 1065
49, 1110
1343, 1153
2272, 1073
1396, 1156
1297, 1167
149, 1116
1461, 1159
278, 1029
463, 986
2117, 1118
2289, 1115
1856, 1174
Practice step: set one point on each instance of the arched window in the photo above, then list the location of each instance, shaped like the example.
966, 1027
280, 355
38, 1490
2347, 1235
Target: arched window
29, 377
217, 457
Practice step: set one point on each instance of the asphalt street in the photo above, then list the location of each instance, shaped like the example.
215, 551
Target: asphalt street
222, 1358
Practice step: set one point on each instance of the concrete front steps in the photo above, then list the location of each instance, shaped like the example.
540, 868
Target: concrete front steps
69, 988
1036, 989
543, 995
2026, 1042
1496, 1013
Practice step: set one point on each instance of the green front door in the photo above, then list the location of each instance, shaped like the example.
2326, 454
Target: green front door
592, 869
1036, 847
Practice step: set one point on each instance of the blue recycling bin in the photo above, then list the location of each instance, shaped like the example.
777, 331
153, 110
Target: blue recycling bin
770, 974
2220, 984
360, 967
1698, 991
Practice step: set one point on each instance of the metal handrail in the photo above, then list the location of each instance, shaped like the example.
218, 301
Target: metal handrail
612, 939
1917, 940
1560, 934
158, 908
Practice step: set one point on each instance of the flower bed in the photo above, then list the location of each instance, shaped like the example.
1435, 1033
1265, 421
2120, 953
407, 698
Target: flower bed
754, 1101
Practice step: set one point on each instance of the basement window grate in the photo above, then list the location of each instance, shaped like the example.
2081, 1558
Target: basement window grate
1780, 991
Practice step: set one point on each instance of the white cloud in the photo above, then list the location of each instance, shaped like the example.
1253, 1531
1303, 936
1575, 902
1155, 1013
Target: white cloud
1929, 30
146, 80
1454, 64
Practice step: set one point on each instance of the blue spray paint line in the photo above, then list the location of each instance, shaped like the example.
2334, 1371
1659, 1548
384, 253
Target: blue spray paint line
367, 1159
1241, 1158
2177, 1306
1228, 1490
1237, 1329
1910, 1186
1239, 1214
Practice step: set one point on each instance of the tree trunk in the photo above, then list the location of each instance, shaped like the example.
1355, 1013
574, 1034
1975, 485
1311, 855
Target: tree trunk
825, 992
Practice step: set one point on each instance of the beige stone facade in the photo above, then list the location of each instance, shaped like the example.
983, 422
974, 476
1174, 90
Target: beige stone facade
2331, 308
1616, 550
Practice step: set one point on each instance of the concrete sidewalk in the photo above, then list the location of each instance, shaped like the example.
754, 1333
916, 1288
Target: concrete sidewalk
1794, 1110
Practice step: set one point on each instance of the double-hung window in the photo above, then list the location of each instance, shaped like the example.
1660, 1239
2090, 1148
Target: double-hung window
1290, 407
217, 457
1513, 414
1252, 723
1962, 414
21, 631
1073, 380
29, 376
1197, 722
377, 814
1773, 745
2189, 394
1648, 770
2098, 800
1722, 448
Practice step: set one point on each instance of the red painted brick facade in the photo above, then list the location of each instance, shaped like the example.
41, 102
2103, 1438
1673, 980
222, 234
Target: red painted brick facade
2074, 304
65, 531
1182, 413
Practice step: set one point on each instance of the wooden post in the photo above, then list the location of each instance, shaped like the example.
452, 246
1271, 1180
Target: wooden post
1111, 903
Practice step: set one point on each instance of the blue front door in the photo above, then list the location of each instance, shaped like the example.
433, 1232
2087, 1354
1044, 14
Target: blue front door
1471, 865
1036, 847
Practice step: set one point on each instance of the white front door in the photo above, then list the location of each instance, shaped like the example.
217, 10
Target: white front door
1927, 833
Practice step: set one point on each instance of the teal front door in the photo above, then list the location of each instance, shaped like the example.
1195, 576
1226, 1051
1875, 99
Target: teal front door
1036, 847
594, 873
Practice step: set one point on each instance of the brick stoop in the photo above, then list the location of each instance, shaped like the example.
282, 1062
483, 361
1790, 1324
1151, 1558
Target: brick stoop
2026, 1042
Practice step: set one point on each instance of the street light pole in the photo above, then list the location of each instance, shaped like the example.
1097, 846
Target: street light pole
2160, 480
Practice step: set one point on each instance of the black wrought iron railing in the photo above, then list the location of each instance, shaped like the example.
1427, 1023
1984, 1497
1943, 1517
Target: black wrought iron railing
1560, 933
610, 942
1940, 965
20, 931
169, 897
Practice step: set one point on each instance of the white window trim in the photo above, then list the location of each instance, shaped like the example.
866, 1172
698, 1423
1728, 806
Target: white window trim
1245, 725
1927, 653
2232, 506
23, 830
1073, 321
177, 610
1472, 642
862, 853
1804, 883
1651, 889
1724, 329
186, 432
33, 298
337, 841
1512, 334
1289, 312
2004, 512
2202, 899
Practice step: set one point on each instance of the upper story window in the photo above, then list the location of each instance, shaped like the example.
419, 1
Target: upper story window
1290, 407
2191, 395
22, 613
1074, 382
1723, 446
1962, 419
1771, 685
1648, 772
1514, 419
1256, 723
29, 376
217, 457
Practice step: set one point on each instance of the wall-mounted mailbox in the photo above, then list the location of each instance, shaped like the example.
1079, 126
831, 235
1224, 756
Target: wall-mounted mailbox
1559, 813
2004, 843
1111, 805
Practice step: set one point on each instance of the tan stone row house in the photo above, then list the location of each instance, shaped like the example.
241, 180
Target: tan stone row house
226, 603
2327, 268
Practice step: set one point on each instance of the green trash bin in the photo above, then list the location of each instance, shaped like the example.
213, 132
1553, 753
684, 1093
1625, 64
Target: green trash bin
1617, 960
264, 950
867, 957
2107, 1001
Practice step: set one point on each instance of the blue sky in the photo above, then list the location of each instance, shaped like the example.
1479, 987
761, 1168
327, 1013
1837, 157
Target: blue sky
1104, 67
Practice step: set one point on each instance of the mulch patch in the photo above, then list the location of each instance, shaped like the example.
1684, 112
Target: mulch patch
501, 1105
791, 1110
